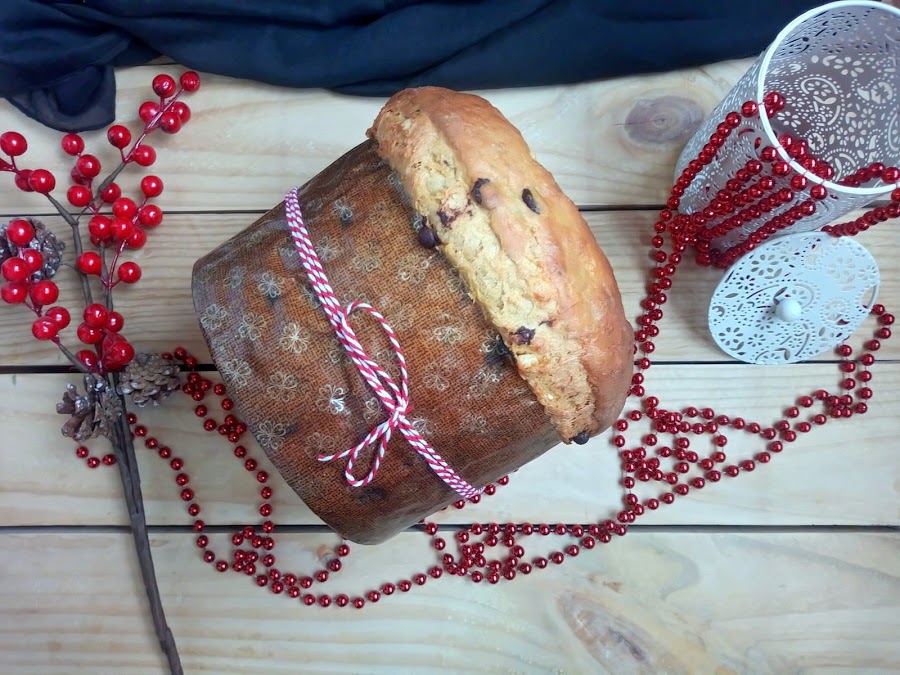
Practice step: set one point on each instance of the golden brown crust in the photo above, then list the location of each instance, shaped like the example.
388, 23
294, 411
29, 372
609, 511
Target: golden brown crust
527, 255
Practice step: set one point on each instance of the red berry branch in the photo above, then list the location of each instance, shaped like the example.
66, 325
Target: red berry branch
31, 256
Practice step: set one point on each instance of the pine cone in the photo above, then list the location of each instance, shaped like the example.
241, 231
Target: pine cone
92, 414
44, 241
149, 377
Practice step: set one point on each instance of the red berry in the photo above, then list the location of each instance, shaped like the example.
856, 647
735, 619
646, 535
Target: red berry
59, 315
170, 123
77, 178
13, 143
164, 85
90, 263
78, 195
88, 166
100, 227
42, 181
144, 155
44, 329
88, 358
129, 272
148, 111
117, 352
20, 232
137, 239
72, 144
44, 293
89, 335
121, 228
111, 193
14, 269
95, 315
182, 110
13, 293
22, 180
151, 186
190, 80
124, 208
33, 258
151, 215
118, 136
114, 322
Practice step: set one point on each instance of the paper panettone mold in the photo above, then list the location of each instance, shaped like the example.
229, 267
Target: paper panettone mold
302, 397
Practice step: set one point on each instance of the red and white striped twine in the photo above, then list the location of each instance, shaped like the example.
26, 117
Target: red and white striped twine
395, 399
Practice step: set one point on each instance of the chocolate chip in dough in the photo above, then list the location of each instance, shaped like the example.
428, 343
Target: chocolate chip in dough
427, 237
476, 189
528, 198
498, 354
523, 336
582, 438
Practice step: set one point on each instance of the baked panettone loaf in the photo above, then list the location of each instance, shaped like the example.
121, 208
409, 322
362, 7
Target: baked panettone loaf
528, 257
506, 311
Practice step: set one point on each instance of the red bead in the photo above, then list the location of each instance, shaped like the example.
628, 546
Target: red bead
118, 136
891, 175
190, 81
42, 181
78, 195
121, 228
111, 193
13, 143
182, 110
93, 462
15, 270
170, 122
129, 272
14, 293
749, 108
164, 85
100, 227
732, 470
89, 335
143, 155
748, 465
44, 293
147, 111
373, 596
309, 600
137, 239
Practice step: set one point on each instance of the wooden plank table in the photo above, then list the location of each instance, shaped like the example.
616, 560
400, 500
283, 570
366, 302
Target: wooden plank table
793, 568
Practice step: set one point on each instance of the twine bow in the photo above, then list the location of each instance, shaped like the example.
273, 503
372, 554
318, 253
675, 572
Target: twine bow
394, 398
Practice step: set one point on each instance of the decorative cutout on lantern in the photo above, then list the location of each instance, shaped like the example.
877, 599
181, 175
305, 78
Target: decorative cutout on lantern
793, 298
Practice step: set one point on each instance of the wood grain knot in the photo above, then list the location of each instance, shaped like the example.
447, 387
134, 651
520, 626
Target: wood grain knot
664, 119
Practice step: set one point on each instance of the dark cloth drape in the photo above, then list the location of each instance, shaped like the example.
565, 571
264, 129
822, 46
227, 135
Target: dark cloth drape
57, 59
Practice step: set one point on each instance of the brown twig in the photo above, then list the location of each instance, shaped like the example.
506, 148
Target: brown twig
123, 448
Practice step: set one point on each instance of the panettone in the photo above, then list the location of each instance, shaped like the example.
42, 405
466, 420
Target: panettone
522, 247
505, 307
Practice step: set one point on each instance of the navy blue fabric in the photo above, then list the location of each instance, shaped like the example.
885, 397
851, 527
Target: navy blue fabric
58, 59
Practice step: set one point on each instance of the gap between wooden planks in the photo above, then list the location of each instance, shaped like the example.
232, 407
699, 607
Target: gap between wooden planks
842, 474
607, 142
653, 602
159, 312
